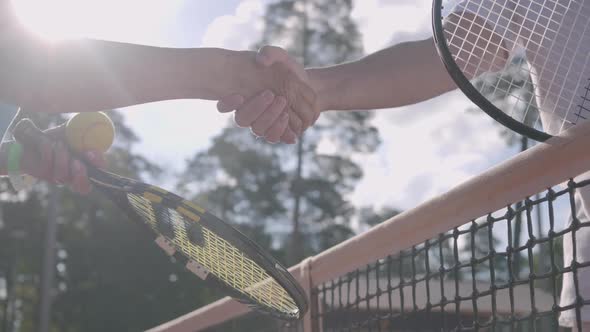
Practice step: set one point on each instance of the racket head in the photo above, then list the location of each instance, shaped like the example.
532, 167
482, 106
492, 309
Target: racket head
208, 247
471, 51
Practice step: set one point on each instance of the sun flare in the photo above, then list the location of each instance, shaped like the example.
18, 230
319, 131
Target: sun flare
103, 19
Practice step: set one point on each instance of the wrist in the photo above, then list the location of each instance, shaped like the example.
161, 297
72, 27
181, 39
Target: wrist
205, 73
11, 154
4, 147
225, 72
15, 155
247, 76
319, 81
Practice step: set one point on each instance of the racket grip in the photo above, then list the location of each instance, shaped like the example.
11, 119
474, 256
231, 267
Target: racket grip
31, 137
28, 134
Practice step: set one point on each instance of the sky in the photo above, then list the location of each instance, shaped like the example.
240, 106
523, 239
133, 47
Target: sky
427, 149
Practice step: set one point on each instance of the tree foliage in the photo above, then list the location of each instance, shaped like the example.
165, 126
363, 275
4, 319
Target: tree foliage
109, 275
297, 194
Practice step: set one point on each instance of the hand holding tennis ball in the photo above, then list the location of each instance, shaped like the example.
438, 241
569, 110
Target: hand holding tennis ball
91, 131
47, 157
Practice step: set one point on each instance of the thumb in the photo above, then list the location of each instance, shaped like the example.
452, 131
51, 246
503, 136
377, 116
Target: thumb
230, 103
268, 55
56, 133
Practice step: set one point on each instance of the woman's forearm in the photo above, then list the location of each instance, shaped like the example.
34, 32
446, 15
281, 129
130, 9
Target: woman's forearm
109, 75
90, 75
397, 76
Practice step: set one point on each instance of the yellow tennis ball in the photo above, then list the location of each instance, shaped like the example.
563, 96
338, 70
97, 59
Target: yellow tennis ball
90, 131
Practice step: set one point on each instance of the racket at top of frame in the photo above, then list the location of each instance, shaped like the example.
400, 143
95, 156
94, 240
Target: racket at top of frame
524, 62
209, 247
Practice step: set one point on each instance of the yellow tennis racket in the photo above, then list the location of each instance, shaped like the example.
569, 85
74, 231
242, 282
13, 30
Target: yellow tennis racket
208, 247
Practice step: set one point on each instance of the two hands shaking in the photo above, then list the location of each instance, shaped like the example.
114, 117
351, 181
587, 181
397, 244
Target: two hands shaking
278, 114
272, 94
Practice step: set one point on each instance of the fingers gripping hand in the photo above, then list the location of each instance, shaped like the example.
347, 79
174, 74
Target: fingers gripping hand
266, 115
230, 103
301, 98
262, 112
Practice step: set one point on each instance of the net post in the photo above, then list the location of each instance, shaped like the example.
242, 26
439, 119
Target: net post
307, 285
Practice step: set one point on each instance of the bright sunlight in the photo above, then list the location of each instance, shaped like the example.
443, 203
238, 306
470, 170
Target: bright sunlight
102, 19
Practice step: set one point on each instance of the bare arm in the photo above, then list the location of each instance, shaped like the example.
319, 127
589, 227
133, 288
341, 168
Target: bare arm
397, 76
90, 75
400, 75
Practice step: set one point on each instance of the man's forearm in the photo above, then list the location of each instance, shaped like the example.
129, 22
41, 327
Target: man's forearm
397, 76
90, 75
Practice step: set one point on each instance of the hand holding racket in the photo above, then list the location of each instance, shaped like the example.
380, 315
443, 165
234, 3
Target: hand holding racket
206, 245
49, 159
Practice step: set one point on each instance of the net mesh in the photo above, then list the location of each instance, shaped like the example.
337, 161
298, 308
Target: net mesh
501, 272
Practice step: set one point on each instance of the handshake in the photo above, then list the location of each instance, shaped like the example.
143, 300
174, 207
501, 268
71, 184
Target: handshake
285, 103
270, 92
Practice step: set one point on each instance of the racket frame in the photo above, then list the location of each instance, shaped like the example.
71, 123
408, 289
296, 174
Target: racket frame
465, 85
116, 188
113, 185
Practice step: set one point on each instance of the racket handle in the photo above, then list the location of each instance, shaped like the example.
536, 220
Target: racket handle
28, 134
31, 137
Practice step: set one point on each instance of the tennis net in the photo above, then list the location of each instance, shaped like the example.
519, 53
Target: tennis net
485, 256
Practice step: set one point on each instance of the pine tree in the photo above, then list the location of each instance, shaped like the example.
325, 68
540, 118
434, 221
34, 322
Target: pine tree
299, 192
112, 277
109, 275
318, 33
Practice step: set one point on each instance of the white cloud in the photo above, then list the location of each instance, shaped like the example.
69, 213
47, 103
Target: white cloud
239, 30
382, 21
84, 18
172, 131
428, 148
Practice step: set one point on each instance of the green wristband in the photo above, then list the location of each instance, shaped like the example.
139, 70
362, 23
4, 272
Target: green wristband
15, 154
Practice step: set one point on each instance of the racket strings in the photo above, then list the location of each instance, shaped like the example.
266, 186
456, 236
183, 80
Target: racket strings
558, 51
561, 84
217, 255
559, 95
474, 45
492, 64
530, 96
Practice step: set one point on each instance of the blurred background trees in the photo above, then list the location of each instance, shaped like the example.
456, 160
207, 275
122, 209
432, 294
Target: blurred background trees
293, 200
